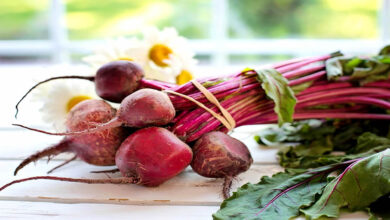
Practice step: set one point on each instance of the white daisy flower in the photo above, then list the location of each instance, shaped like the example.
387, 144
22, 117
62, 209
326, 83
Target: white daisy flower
118, 49
184, 68
61, 97
165, 53
161, 54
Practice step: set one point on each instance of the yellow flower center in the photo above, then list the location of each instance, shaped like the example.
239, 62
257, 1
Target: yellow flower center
158, 53
75, 100
125, 58
183, 77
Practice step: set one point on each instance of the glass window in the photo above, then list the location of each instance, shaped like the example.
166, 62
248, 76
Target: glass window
91, 19
303, 19
24, 19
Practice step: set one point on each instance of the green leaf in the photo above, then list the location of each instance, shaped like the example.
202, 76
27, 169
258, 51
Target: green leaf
359, 185
307, 157
301, 87
208, 84
313, 143
385, 50
305, 130
364, 184
363, 70
277, 197
276, 87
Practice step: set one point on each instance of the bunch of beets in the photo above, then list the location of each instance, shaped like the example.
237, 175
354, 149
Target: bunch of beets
161, 128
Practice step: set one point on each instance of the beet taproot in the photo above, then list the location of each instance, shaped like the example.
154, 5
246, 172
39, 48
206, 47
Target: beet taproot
113, 81
118, 79
98, 148
145, 107
153, 155
149, 157
217, 155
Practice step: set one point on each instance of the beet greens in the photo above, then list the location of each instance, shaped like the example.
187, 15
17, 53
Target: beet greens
313, 143
313, 193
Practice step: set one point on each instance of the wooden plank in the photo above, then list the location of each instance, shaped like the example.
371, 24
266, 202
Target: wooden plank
20, 143
186, 189
47, 210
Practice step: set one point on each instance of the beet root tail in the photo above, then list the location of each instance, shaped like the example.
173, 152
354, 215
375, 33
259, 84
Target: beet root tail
50, 151
121, 180
99, 127
227, 185
62, 164
90, 78
107, 171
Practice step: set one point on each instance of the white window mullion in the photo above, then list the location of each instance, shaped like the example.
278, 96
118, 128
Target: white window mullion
384, 20
219, 31
58, 31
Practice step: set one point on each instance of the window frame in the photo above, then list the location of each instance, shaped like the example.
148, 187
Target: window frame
219, 46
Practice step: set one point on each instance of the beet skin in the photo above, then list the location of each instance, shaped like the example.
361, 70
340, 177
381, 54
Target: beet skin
117, 79
152, 155
218, 155
98, 148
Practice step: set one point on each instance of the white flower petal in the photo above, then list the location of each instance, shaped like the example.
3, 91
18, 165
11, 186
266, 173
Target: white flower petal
54, 108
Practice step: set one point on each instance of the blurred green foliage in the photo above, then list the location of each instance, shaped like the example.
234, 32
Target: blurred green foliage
304, 18
92, 19
23, 19
99, 19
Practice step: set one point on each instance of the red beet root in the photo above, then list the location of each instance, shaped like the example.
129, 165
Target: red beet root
153, 155
145, 107
97, 148
217, 155
149, 157
113, 81
117, 79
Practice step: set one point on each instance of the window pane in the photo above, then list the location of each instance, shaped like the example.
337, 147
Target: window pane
92, 19
23, 19
256, 60
303, 18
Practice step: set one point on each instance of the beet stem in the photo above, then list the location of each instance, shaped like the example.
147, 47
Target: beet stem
90, 78
62, 164
50, 151
121, 180
106, 171
227, 185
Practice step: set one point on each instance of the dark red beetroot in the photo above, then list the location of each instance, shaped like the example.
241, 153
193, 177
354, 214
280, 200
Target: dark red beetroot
145, 107
113, 81
97, 148
217, 155
117, 79
149, 157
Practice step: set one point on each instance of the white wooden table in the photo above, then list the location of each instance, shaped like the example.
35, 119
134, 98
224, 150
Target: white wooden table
187, 196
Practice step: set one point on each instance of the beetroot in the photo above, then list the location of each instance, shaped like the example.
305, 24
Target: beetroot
113, 81
97, 148
217, 155
149, 157
142, 108
117, 79
153, 155
146, 107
